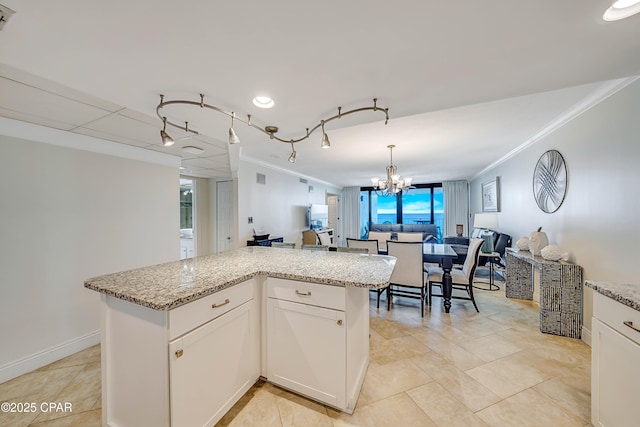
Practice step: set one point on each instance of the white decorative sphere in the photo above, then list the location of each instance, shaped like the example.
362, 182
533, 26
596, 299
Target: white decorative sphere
554, 253
523, 244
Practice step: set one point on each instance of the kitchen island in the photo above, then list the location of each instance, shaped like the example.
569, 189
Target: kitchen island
183, 341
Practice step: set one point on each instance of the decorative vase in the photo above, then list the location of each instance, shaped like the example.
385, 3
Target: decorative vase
523, 244
537, 241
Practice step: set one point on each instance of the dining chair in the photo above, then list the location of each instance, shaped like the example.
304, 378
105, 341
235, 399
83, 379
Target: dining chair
283, 245
371, 246
407, 279
381, 237
352, 250
325, 239
315, 247
410, 237
462, 279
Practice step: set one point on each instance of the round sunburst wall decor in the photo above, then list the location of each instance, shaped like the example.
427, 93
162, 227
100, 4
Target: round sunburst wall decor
550, 181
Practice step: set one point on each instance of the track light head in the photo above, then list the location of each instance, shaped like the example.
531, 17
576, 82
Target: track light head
167, 141
233, 137
292, 157
325, 139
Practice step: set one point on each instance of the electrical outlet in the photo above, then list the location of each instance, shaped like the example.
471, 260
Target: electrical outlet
250, 220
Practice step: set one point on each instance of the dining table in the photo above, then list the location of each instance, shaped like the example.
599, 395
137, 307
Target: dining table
443, 254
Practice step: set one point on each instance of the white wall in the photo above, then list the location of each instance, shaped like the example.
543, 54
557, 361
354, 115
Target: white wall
67, 215
598, 221
279, 206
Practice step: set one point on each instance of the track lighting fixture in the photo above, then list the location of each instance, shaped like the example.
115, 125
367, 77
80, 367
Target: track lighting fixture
233, 137
268, 130
167, 141
292, 157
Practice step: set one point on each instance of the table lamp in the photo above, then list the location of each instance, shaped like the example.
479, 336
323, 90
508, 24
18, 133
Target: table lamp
485, 222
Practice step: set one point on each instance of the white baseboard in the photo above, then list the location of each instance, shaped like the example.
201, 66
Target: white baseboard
42, 358
586, 336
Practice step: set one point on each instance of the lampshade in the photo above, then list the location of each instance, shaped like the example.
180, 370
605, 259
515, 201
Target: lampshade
485, 220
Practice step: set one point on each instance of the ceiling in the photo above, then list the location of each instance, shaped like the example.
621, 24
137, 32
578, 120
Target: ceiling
466, 82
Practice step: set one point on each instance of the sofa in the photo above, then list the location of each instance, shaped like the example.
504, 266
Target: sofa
429, 231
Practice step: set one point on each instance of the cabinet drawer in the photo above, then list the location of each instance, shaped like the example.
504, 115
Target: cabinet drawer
191, 315
617, 316
307, 293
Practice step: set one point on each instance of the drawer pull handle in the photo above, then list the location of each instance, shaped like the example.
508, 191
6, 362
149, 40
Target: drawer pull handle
303, 294
339, 322
629, 323
179, 353
221, 304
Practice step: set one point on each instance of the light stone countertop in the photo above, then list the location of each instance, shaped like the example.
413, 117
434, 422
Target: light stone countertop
169, 285
626, 294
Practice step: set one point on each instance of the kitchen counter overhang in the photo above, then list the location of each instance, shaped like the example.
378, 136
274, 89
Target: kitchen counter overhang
170, 285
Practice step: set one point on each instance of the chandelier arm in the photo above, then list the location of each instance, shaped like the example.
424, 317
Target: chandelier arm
248, 122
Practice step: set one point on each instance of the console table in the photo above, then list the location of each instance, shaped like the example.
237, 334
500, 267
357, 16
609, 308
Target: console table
560, 290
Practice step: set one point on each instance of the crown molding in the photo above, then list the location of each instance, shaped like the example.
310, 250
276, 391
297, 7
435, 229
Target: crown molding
603, 92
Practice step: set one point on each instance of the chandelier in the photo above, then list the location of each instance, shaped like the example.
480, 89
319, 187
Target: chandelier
393, 184
167, 140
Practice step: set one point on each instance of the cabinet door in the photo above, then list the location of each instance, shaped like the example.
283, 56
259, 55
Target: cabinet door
306, 350
615, 378
212, 366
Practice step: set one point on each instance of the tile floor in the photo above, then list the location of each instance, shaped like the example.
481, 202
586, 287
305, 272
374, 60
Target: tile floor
492, 368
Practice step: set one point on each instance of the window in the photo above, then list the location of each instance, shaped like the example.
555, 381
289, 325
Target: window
422, 205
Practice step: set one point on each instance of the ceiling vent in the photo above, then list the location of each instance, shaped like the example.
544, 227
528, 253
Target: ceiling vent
5, 14
261, 178
303, 181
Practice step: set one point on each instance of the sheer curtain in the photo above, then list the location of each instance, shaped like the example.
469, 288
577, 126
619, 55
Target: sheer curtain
456, 206
350, 214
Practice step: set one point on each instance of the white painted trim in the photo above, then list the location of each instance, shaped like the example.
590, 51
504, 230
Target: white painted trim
586, 336
603, 92
42, 358
62, 138
287, 171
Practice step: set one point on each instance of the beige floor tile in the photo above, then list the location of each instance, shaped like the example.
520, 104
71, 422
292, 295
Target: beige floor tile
84, 419
398, 410
257, 408
509, 375
389, 351
442, 407
89, 355
38, 385
466, 389
457, 355
573, 400
82, 393
18, 419
299, 411
528, 409
387, 380
490, 347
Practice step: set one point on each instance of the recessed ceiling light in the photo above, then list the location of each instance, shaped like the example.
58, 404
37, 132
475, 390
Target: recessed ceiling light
622, 9
263, 102
191, 149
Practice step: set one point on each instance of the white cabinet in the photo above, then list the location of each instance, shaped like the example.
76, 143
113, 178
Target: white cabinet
183, 367
306, 350
313, 348
211, 367
615, 364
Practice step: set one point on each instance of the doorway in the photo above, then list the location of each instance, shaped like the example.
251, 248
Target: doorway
225, 215
187, 235
333, 202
